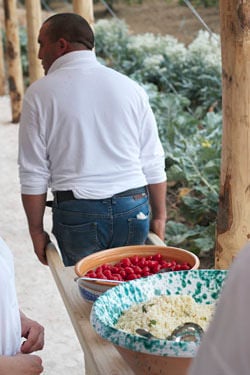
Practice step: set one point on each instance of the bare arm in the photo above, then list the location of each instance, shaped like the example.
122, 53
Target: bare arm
34, 206
20, 364
157, 199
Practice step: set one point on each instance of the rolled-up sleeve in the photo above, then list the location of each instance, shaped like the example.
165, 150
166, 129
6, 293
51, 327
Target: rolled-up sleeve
32, 156
152, 153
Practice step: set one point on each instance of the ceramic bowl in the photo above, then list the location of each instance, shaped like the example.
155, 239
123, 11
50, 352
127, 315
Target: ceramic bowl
142, 354
91, 290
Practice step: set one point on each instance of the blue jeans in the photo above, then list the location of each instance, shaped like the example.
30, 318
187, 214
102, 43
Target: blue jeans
85, 226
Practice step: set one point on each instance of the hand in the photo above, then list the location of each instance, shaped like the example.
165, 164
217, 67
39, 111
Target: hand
34, 334
40, 241
158, 226
21, 364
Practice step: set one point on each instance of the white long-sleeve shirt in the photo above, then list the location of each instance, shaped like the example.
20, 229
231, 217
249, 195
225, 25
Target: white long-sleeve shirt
87, 128
10, 325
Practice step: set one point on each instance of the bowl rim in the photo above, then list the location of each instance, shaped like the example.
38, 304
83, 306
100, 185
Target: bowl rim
110, 251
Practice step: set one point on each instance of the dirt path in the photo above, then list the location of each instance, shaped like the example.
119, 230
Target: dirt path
162, 17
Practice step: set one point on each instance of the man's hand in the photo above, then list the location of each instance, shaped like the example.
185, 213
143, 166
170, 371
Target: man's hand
21, 364
157, 199
40, 242
158, 226
33, 332
34, 206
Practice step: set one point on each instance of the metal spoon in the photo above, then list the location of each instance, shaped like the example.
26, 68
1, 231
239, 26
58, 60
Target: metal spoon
162, 270
145, 333
96, 279
185, 332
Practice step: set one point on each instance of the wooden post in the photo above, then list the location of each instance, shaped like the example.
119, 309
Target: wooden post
233, 228
14, 59
34, 20
2, 67
85, 9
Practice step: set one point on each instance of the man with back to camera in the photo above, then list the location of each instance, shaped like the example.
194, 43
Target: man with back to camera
88, 133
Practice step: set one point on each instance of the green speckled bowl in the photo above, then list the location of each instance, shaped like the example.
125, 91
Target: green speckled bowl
203, 285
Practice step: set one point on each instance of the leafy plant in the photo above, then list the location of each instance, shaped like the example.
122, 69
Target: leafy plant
184, 88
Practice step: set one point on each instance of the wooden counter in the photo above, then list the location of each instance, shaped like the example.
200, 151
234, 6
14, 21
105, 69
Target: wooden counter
100, 356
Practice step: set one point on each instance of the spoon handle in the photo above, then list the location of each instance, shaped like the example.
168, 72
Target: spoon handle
96, 279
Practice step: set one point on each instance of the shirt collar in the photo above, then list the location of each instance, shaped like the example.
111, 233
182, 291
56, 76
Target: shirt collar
72, 58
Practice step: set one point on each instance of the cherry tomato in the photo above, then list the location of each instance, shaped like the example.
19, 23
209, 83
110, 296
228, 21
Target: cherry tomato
91, 274
135, 259
125, 262
145, 269
107, 273
114, 269
137, 270
142, 262
131, 276
156, 268
100, 275
105, 266
129, 270
157, 257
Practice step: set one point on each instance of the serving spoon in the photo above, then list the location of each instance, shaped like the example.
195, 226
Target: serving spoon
85, 278
189, 332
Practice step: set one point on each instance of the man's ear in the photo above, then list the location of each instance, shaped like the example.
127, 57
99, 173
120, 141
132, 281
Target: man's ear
62, 46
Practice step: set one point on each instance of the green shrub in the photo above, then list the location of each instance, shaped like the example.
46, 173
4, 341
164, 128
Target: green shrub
184, 88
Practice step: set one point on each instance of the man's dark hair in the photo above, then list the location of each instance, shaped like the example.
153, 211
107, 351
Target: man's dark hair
72, 27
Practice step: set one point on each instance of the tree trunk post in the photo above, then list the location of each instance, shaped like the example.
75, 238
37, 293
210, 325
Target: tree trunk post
34, 20
15, 75
233, 227
85, 9
2, 66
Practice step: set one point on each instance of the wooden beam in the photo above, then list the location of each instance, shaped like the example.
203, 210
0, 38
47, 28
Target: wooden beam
233, 228
15, 76
85, 9
2, 67
34, 20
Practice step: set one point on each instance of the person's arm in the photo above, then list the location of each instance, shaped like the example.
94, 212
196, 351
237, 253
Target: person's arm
34, 206
157, 199
20, 364
33, 332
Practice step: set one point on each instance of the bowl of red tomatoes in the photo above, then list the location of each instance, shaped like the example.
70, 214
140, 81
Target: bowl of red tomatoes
104, 269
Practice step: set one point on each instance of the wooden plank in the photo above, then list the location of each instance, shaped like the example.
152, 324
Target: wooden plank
100, 356
34, 20
153, 239
85, 9
15, 75
2, 65
233, 225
